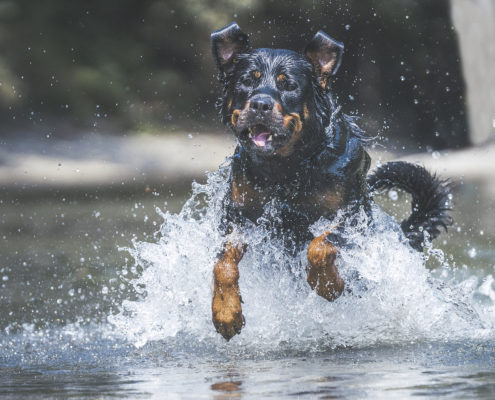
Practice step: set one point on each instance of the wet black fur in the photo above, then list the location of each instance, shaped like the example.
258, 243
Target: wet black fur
330, 158
230, 80
430, 198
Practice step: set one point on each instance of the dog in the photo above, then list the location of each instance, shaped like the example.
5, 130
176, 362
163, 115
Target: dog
296, 147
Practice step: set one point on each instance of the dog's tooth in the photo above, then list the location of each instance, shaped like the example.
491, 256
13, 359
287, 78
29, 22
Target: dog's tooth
250, 134
270, 137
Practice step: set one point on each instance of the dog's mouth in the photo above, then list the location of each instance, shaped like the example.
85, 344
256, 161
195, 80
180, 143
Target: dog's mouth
265, 139
261, 136
274, 136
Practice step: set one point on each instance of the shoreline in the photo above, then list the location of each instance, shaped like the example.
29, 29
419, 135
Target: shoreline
101, 160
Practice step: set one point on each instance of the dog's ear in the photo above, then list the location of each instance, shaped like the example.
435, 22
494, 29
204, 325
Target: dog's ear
325, 54
226, 44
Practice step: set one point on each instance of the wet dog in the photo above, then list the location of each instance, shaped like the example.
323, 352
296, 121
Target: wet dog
296, 147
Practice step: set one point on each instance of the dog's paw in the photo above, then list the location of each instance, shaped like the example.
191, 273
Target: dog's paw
227, 313
322, 273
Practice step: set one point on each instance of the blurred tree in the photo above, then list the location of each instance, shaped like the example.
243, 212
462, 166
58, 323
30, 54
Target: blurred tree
140, 64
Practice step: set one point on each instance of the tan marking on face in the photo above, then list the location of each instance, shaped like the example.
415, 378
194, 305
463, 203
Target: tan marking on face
281, 77
257, 74
295, 120
305, 111
278, 107
235, 117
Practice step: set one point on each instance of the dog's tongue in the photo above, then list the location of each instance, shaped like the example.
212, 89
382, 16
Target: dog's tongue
260, 139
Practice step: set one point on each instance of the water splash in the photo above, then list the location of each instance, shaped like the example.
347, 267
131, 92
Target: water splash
391, 297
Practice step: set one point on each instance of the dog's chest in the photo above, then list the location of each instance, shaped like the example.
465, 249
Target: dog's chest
295, 199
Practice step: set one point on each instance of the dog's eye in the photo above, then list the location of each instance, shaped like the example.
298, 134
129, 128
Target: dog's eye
290, 86
246, 80
285, 83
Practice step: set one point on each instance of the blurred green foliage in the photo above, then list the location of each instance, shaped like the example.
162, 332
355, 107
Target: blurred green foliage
136, 65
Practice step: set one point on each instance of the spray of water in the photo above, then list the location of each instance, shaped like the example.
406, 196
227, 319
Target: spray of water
391, 296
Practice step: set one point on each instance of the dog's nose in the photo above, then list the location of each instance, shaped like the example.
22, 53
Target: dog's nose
261, 104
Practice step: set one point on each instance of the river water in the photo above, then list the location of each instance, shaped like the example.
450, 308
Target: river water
107, 293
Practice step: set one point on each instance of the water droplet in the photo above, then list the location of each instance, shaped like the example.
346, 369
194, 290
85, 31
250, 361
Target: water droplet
393, 195
71, 292
104, 290
472, 252
435, 155
402, 78
347, 27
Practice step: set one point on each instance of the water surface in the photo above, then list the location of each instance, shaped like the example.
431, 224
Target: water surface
81, 318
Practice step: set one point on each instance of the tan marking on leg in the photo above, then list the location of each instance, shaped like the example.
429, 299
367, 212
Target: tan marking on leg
226, 304
323, 275
295, 120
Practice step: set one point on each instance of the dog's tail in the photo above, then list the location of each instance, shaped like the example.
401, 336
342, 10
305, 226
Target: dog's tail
430, 198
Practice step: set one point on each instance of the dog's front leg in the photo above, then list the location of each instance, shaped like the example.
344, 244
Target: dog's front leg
226, 304
323, 275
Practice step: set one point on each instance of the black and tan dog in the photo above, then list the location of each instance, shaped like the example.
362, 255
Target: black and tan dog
295, 147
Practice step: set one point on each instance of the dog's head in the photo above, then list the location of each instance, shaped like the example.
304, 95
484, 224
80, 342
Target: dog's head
277, 102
